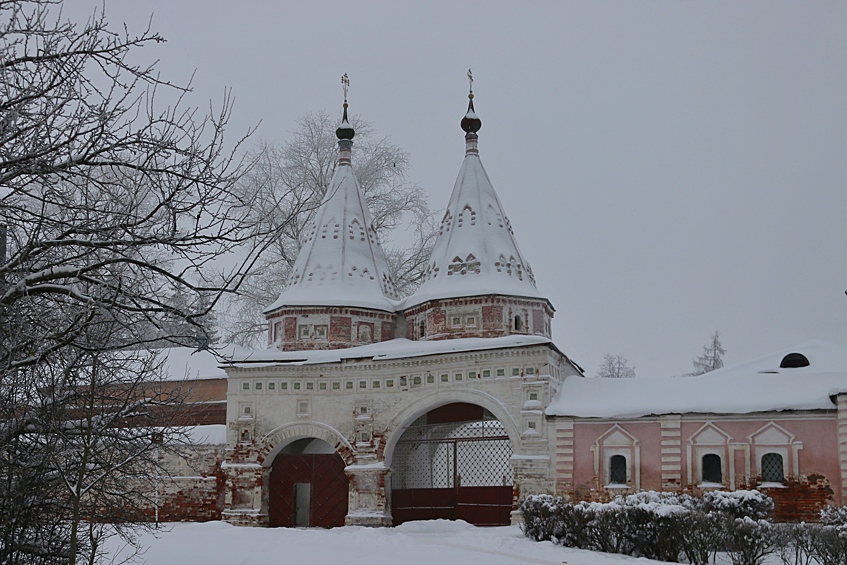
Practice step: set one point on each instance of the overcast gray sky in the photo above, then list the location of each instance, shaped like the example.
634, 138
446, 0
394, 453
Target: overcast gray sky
669, 168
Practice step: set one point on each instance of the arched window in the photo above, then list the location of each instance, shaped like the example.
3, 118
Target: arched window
772, 469
518, 324
617, 470
422, 329
794, 360
712, 468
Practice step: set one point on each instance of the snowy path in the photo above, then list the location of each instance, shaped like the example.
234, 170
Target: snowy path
436, 542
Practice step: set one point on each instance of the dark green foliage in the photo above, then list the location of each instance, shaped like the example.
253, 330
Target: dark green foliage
661, 526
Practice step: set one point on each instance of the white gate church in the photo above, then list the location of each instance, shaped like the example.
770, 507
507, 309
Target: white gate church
370, 409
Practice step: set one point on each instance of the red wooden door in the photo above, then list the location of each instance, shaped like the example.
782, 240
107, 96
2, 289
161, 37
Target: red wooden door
327, 495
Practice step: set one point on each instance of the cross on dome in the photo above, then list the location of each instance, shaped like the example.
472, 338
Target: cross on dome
471, 122
345, 130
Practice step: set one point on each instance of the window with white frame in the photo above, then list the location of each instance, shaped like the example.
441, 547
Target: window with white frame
775, 453
617, 458
707, 456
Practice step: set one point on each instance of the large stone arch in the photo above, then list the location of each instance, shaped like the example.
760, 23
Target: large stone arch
439, 475
325, 492
275, 441
411, 412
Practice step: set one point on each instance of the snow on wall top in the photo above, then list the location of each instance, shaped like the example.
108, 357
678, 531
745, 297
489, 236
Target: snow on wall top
476, 252
386, 350
756, 386
205, 434
341, 262
187, 363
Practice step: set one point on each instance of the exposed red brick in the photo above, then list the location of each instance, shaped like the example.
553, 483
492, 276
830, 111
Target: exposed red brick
387, 331
340, 329
290, 329
492, 318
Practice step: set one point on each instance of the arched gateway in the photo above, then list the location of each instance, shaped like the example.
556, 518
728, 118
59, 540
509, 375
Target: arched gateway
432, 406
307, 486
453, 463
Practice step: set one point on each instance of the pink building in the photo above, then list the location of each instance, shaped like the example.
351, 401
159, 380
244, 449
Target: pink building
778, 423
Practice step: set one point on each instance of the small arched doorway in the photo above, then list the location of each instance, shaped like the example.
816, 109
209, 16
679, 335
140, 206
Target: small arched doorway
307, 486
453, 463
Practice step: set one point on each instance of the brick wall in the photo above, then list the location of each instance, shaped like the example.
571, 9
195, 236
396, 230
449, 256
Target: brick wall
493, 316
799, 500
193, 487
340, 329
290, 329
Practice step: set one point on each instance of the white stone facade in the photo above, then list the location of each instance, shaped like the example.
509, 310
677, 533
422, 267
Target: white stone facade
361, 407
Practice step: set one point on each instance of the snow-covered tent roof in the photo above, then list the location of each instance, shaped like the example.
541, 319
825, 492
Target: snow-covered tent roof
476, 252
386, 350
761, 385
341, 262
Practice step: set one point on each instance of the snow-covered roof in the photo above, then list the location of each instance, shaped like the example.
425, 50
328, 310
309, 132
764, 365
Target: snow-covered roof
187, 363
756, 386
476, 252
341, 262
386, 350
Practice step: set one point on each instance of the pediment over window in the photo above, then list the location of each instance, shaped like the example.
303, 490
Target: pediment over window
616, 436
710, 434
771, 434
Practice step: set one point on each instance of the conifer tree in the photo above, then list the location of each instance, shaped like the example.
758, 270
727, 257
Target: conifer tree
712, 357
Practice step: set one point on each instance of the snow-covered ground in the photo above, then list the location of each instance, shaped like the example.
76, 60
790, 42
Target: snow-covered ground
437, 542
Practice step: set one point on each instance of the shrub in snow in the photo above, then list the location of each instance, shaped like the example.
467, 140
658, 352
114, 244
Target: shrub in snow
541, 516
827, 541
605, 527
700, 535
662, 526
824, 543
749, 541
738, 504
829, 545
834, 516
794, 543
741, 522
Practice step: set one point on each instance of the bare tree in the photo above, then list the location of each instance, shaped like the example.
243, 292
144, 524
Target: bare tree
615, 367
712, 357
113, 206
289, 182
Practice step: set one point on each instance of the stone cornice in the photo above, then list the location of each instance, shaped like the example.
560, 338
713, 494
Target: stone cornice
407, 364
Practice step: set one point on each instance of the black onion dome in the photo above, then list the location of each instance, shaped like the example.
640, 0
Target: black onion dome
471, 123
345, 130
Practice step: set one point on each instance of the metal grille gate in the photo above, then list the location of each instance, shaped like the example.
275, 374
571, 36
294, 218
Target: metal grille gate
453, 470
